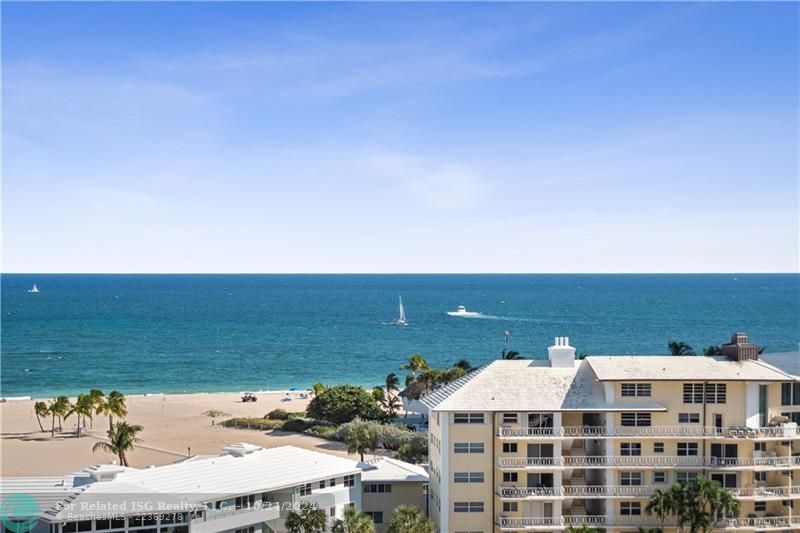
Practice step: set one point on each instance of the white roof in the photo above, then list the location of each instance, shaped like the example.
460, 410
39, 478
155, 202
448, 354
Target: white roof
524, 385
386, 469
182, 484
788, 362
681, 367
260, 471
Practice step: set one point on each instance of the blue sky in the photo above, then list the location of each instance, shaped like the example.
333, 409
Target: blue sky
289, 137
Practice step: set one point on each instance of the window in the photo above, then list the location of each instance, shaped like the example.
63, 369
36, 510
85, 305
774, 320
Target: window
119, 523
468, 477
629, 479
510, 477
377, 516
658, 447
305, 490
350, 481
322, 484
760, 477
760, 506
790, 393
468, 418
760, 446
630, 508
635, 390
332, 482
509, 447
630, 448
727, 481
685, 477
510, 507
509, 418
540, 420
688, 418
635, 419
246, 502
468, 447
332, 511
377, 488
692, 393
714, 392
788, 503
793, 417
467, 507
687, 448
251, 529
659, 477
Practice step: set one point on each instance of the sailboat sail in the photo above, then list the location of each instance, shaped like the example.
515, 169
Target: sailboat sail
402, 317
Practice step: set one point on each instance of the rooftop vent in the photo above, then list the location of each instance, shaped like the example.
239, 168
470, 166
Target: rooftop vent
561, 354
241, 449
107, 472
740, 348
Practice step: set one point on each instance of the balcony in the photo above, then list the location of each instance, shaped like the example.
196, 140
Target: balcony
237, 518
728, 524
765, 493
575, 491
647, 461
786, 432
327, 497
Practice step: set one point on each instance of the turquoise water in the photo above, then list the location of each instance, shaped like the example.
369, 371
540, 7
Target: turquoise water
174, 333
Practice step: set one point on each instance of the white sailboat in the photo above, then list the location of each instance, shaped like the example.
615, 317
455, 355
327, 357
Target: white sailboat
401, 320
34, 288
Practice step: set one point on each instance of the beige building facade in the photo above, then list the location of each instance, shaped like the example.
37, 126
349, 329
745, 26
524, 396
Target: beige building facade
546, 445
389, 483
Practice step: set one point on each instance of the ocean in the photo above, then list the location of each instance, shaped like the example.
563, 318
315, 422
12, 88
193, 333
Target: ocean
192, 333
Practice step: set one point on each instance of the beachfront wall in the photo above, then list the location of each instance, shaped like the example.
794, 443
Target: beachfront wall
381, 505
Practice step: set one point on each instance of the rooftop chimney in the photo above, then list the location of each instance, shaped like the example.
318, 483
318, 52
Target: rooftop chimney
740, 348
561, 354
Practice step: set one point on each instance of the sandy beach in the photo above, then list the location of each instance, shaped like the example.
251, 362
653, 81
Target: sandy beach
172, 424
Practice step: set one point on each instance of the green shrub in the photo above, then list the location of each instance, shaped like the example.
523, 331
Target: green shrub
411, 453
278, 414
325, 432
252, 423
390, 436
344, 403
297, 425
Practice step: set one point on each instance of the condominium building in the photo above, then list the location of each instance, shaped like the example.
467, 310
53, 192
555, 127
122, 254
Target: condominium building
248, 489
529, 445
388, 483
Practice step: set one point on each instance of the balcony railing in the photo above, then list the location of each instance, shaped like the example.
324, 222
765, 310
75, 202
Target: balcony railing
576, 491
735, 432
600, 461
560, 522
765, 492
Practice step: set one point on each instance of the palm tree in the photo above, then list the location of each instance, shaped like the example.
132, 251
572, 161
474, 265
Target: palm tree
360, 440
661, 505
711, 503
466, 365
83, 407
98, 399
583, 528
122, 438
59, 408
310, 519
409, 519
41, 410
714, 349
680, 348
416, 364
392, 382
353, 521
452, 374
114, 405
391, 404
510, 354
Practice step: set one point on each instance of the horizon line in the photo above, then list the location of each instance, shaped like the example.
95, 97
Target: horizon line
248, 273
